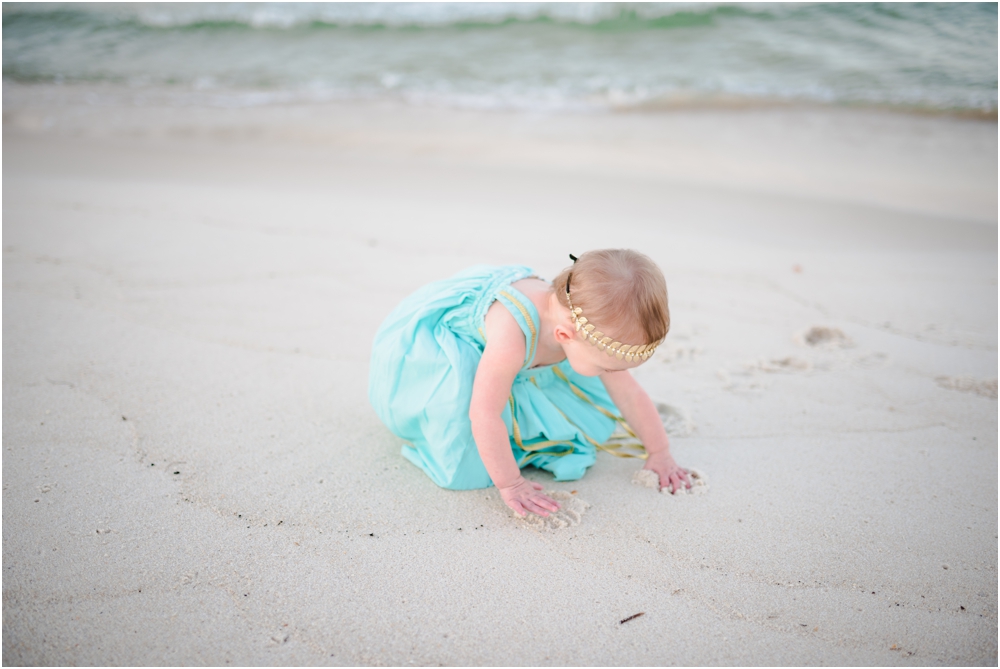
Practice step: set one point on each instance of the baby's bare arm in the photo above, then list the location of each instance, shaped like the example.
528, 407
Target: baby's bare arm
502, 360
641, 414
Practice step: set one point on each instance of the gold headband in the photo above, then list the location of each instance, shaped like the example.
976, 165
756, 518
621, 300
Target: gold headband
596, 337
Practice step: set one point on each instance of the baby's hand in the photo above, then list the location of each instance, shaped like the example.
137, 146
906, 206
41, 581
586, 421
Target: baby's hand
671, 476
523, 496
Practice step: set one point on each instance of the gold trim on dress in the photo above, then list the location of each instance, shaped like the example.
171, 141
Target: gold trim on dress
533, 451
608, 447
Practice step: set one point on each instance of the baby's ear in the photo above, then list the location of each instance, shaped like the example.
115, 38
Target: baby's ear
563, 333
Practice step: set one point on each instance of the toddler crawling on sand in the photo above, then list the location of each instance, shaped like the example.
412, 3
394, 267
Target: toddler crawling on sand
495, 369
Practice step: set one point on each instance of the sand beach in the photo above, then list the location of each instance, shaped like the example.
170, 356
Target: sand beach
192, 473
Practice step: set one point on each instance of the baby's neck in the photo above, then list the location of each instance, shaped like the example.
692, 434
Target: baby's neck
551, 313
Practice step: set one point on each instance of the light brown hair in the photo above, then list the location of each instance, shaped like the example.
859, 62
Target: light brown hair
621, 291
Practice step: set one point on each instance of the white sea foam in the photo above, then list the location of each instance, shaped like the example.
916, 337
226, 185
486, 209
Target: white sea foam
528, 56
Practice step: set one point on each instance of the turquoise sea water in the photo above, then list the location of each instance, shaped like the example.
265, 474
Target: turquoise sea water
530, 56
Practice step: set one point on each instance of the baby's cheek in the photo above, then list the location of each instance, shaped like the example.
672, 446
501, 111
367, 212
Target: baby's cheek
584, 368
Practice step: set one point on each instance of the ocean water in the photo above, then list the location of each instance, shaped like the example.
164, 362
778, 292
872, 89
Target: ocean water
526, 56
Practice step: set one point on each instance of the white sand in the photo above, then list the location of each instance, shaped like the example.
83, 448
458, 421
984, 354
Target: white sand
650, 479
570, 513
193, 474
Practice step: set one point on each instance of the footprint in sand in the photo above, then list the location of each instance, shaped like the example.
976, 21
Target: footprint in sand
820, 336
871, 361
569, 514
789, 364
649, 479
967, 384
671, 352
751, 382
676, 420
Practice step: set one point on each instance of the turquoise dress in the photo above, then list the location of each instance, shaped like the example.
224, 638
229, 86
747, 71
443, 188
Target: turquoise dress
424, 360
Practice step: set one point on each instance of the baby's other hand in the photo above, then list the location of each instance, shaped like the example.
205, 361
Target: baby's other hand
672, 477
523, 496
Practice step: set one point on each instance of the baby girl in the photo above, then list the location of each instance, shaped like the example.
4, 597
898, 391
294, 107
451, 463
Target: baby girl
495, 369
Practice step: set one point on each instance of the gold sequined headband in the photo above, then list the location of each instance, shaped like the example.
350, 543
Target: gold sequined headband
596, 337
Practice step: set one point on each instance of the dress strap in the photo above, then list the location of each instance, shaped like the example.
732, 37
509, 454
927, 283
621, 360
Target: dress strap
524, 312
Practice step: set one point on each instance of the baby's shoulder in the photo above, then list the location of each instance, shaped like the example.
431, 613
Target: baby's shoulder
501, 324
503, 333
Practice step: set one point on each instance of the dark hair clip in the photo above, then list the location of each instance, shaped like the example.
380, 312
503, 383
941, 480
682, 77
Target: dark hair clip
573, 257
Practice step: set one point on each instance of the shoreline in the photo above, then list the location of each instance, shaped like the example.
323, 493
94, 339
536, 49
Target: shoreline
934, 166
249, 98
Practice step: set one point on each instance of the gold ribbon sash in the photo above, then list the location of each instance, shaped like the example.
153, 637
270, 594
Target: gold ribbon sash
614, 445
